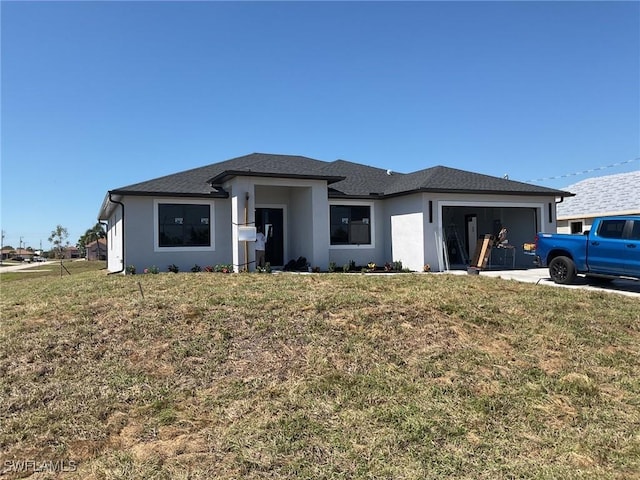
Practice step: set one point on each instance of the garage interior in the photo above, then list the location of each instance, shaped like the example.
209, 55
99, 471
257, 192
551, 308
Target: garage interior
463, 226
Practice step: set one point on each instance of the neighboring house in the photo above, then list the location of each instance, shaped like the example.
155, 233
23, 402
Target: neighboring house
96, 250
24, 253
7, 252
69, 252
596, 197
324, 211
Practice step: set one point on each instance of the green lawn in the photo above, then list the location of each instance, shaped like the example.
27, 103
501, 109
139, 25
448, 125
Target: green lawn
324, 376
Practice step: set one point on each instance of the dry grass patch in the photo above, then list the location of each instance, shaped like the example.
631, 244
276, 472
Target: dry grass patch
318, 376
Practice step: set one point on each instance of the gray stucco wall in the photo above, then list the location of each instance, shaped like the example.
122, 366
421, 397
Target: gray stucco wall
140, 240
363, 254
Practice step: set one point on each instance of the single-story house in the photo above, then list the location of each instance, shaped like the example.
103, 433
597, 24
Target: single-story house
96, 250
323, 211
9, 252
599, 197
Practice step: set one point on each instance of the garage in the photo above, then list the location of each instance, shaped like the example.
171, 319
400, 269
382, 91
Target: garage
464, 225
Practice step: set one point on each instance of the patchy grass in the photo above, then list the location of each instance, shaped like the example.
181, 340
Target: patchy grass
317, 377
52, 269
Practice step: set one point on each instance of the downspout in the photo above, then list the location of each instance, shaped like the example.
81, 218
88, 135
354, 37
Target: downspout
123, 262
555, 211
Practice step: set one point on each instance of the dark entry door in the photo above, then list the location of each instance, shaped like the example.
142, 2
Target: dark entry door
274, 250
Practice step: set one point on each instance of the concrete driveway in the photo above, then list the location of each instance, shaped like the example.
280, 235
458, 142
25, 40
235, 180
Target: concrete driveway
540, 276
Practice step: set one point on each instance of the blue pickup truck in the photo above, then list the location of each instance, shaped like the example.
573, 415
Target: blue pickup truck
609, 250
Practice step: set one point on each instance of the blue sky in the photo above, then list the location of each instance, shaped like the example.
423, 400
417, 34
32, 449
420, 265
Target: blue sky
99, 95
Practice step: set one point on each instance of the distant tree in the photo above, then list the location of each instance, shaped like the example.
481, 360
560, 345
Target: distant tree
58, 239
91, 235
8, 247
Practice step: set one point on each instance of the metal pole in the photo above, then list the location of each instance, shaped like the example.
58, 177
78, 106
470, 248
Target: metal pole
246, 222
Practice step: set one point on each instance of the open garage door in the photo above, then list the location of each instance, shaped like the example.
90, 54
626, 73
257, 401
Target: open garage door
462, 226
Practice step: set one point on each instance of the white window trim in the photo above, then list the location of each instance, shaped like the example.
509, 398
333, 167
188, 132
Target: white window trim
372, 224
194, 201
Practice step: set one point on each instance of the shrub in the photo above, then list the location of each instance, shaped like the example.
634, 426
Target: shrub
265, 269
223, 268
196, 268
173, 268
209, 268
131, 269
332, 267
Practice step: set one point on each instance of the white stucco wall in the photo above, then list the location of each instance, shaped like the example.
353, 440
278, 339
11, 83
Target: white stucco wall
306, 218
300, 226
404, 230
114, 240
407, 238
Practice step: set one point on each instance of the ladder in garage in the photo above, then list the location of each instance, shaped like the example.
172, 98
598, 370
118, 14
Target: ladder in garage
451, 235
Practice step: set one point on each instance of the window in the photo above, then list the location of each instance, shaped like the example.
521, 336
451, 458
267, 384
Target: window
350, 224
611, 228
184, 225
576, 227
635, 231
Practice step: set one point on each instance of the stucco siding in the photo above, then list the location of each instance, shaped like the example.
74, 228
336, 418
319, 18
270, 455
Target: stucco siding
114, 241
300, 225
404, 230
140, 241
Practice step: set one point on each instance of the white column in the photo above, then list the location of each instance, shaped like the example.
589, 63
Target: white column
240, 187
320, 225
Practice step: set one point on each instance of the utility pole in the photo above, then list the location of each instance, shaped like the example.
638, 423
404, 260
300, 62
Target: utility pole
2, 248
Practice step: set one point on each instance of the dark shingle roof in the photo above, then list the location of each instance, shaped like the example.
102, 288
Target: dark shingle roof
360, 180
197, 181
445, 179
345, 178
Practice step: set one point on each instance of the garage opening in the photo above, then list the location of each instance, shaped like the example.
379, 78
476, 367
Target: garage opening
464, 226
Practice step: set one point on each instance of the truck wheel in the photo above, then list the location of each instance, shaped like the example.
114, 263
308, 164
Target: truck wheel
562, 270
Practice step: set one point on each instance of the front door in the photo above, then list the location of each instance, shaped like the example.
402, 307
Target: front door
273, 219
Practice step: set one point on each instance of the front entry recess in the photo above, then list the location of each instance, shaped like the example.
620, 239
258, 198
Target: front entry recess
273, 219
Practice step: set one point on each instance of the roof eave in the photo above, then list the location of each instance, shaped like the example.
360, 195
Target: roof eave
372, 196
219, 194
475, 192
557, 193
229, 174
